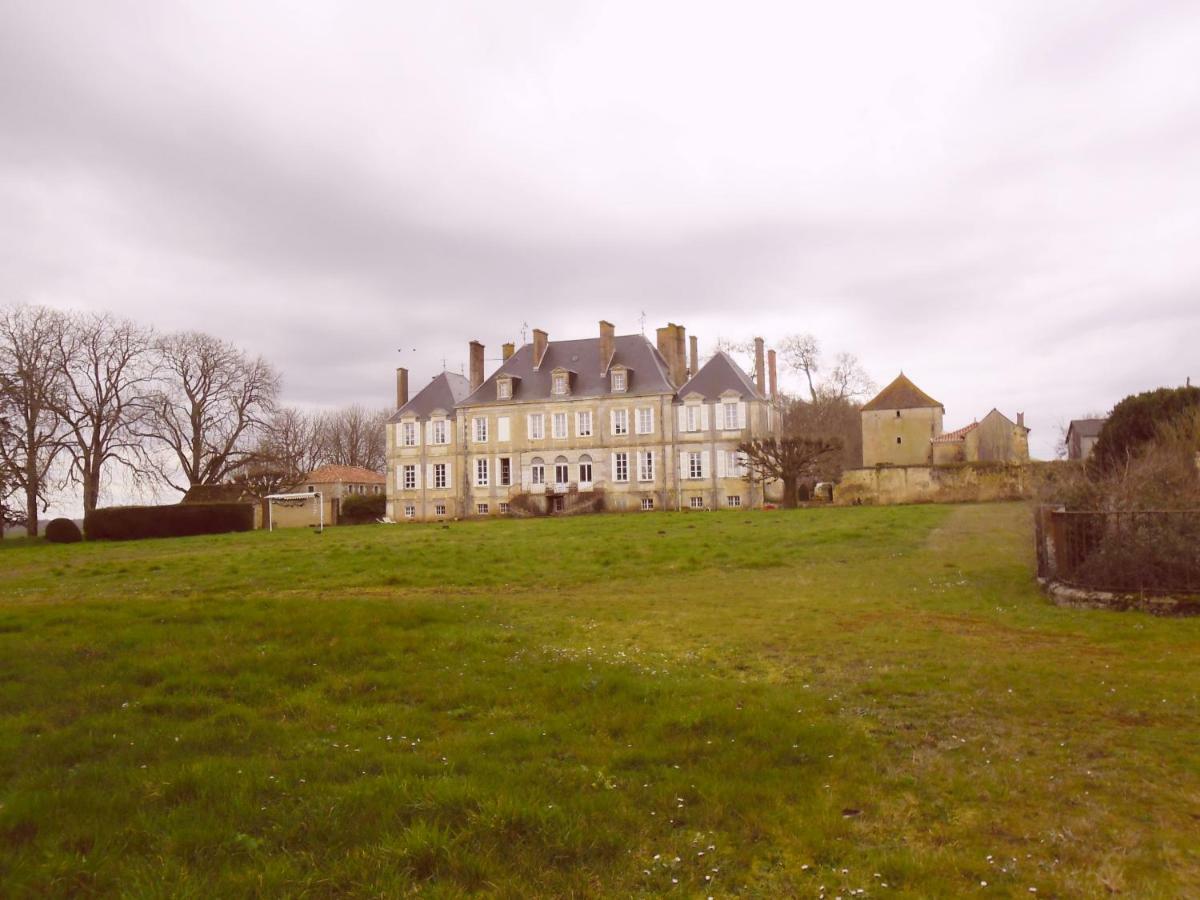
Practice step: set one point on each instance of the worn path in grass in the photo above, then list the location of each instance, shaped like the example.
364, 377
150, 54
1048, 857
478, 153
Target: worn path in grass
759, 704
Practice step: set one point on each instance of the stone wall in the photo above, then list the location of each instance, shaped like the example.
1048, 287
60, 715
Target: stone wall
960, 483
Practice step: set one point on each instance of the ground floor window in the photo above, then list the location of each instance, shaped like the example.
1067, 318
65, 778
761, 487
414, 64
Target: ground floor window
481, 508
559, 504
647, 503
439, 509
696, 502
733, 500
503, 508
585, 472
409, 511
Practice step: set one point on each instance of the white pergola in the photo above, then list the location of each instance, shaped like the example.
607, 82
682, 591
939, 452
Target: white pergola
306, 495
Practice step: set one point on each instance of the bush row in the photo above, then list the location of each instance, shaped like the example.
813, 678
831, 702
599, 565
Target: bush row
121, 523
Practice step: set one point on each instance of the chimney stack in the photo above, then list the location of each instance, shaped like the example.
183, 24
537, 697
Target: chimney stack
476, 364
1021, 419
680, 374
607, 344
540, 341
772, 375
665, 340
671, 343
695, 348
760, 381
507, 350
401, 386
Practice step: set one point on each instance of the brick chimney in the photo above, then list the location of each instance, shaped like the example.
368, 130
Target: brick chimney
672, 344
541, 340
401, 386
680, 374
665, 341
476, 364
508, 349
694, 366
1021, 420
772, 375
760, 380
607, 344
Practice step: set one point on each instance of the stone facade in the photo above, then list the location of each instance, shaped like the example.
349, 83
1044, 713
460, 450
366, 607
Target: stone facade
612, 423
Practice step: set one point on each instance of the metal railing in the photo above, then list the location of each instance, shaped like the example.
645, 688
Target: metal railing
1136, 551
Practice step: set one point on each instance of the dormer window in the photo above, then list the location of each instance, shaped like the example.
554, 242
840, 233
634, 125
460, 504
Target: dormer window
560, 383
619, 380
503, 389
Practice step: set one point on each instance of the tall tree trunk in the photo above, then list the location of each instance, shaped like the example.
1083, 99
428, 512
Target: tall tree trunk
31, 507
789, 493
91, 491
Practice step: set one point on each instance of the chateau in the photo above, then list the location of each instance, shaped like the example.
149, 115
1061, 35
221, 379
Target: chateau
611, 422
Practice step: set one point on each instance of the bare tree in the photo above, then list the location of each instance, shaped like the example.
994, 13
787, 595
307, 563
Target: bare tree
787, 460
741, 351
8, 513
355, 436
31, 387
847, 380
802, 354
106, 368
287, 447
833, 419
211, 398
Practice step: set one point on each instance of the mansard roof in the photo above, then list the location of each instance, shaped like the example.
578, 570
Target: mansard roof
648, 371
444, 392
718, 376
902, 394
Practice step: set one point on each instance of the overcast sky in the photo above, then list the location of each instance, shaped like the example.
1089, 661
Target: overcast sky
1001, 199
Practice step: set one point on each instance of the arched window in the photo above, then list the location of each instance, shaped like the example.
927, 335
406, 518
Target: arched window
561, 474
537, 471
585, 469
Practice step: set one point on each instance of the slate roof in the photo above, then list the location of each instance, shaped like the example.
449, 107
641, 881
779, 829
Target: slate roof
718, 375
1086, 428
647, 371
902, 394
351, 474
444, 392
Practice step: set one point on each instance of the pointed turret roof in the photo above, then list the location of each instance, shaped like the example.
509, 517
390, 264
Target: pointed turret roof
718, 375
902, 394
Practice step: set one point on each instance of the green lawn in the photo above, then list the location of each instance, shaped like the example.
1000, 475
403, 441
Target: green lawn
711, 704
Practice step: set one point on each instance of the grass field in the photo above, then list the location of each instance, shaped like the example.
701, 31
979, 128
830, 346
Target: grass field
759, 704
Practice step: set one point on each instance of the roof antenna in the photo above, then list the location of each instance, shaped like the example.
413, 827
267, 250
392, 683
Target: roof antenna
524, 328
642, 319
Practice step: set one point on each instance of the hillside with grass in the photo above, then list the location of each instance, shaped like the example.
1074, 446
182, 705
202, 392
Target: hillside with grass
763, 704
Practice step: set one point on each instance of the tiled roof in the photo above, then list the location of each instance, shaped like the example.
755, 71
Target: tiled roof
444, 392
718, 375
351, 474
1087, 427
950, 437
647, 371
901, 394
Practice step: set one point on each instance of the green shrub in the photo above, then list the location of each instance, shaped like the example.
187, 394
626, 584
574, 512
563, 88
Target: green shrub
1137, 421
121, 523
63, 531
358, 509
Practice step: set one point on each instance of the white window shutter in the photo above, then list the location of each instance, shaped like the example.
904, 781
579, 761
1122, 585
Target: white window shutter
651, 420
612, 467
704, 417
612, 427
721, 468
683, 465
429, 474
399, 478
503, 432
704, 464
741, 414
683, 418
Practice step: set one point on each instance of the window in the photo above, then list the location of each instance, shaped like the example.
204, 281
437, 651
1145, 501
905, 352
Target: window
897, 414
731, 416
646, 466
537, 427
560, 425
695, 465
561, 476
696, 502
693, 418
481, 472
620, 421
897, 440
410, 511
583, 423
439, 509
647, 503
481, 508
733, 500
645, 420
408, 434
503, 508
585, 472
620, 467
410, 478
618, 380
439, 475
480, 429
560, 383
503, 389
439, 431
537, 471
505, 471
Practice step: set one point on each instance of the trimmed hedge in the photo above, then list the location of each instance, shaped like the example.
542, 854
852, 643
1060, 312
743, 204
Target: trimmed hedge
63, 531
360, 509
121, 523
